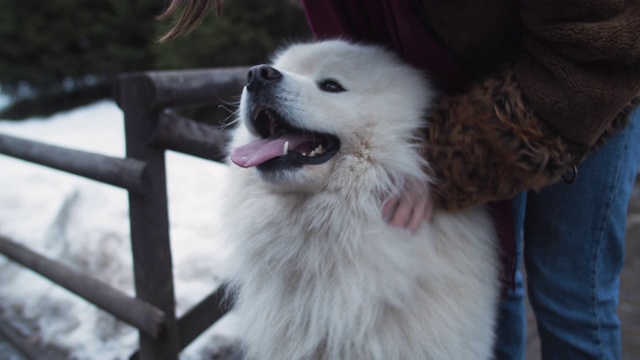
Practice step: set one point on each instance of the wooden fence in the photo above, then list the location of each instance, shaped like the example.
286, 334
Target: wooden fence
150, 130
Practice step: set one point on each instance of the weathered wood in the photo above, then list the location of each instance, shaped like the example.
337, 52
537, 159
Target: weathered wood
149, 218
143, 97
184, 135
162, 89
200, 317
124, 173
194, 87
139, 314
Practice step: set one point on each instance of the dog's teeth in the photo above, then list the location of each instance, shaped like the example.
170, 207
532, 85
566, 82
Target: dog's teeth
315, 152
285, 148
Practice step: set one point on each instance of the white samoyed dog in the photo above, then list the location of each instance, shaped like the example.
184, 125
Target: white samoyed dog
327, 132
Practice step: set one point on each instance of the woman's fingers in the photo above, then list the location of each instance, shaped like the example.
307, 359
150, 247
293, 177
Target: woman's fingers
410, 207
417, 215
402, 213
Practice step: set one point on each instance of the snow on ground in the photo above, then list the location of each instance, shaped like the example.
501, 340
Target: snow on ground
85, 224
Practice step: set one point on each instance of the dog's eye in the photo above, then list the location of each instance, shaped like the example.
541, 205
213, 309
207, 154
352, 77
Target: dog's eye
330, 86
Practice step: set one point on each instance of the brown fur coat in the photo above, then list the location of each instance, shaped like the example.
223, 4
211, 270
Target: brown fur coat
570, 77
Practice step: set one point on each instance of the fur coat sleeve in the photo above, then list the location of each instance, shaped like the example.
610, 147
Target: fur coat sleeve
530, 86
573, 82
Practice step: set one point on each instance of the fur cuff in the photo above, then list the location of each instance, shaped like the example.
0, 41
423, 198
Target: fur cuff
486, 145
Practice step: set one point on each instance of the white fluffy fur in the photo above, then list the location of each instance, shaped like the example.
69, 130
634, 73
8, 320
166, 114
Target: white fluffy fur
321, 274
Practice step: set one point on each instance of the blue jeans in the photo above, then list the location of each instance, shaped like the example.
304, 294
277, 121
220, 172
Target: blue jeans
573, 251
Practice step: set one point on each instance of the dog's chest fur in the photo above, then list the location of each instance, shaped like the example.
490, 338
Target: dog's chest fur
321, 275
325, 278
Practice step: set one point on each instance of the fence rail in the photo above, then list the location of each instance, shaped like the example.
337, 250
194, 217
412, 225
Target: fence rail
139, 314
124, 173
149, 130
190, 137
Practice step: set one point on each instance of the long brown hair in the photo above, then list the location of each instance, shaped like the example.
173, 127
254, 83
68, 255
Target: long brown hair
193, 12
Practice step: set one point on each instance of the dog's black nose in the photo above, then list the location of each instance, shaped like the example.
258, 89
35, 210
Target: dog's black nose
262, 75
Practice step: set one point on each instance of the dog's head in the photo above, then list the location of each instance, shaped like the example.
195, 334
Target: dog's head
330, 109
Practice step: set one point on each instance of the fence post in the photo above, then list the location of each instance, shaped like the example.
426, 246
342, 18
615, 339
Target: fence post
148, 213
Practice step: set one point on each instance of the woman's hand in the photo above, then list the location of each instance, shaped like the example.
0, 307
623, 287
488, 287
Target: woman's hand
410, 207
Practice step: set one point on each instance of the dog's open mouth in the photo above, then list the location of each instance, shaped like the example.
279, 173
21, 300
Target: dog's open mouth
283, 146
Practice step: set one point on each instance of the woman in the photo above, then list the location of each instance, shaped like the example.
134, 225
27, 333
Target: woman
529, 90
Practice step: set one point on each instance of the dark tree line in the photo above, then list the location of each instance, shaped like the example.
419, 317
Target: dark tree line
58, 54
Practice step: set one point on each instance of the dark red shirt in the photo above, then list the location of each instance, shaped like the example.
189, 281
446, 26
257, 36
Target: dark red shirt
395, 23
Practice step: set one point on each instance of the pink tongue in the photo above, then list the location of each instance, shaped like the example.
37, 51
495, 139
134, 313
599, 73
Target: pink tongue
263, 150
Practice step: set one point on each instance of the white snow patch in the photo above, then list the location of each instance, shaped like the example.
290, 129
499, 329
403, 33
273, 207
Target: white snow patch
85, 224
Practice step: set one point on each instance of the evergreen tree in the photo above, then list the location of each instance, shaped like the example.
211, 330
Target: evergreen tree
59, 44
246, 34
66, 52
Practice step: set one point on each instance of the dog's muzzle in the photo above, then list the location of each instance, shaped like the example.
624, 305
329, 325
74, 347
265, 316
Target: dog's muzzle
280, 144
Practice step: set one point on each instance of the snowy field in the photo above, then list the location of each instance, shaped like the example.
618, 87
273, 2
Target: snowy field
85, 224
